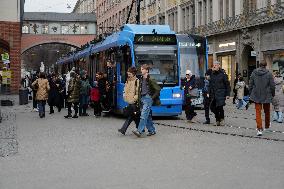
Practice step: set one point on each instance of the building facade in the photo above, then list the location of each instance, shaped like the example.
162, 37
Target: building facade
112, 14
10, 45
240, 33
85, 6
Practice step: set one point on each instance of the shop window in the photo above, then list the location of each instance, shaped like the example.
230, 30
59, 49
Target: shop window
226, 62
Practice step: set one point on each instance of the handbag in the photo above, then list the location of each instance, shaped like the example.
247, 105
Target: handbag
193, 92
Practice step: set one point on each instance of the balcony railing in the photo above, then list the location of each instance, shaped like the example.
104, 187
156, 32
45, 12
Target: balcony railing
257, 17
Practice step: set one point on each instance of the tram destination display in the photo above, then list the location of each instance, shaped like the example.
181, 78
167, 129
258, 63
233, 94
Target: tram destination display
155, 39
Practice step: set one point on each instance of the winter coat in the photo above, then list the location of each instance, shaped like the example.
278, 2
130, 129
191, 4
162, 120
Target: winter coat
219, 87
85, 87
278, 100
131, 90
261, 86
189, 83
53, 95
43, 88
73, 90
154, 90
240, 87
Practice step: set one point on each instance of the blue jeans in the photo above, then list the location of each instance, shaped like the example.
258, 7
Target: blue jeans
241, 103
146, 116
41, 107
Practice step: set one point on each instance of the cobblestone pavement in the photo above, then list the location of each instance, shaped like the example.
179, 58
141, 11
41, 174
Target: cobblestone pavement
89, 153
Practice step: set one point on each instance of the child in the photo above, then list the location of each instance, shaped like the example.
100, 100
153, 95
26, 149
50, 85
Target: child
95, 98
240, 87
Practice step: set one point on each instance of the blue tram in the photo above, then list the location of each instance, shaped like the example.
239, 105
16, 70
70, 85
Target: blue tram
134, 45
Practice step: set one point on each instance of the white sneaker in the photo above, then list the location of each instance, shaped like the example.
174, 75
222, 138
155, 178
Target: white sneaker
35, 110
259, 133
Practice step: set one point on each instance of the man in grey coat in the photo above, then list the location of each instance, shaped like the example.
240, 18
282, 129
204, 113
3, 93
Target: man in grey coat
262, 91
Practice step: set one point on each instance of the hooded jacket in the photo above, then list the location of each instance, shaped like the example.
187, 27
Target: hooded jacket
261, 86
278, 100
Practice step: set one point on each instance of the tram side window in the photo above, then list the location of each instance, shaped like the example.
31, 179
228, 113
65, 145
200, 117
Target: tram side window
125, 63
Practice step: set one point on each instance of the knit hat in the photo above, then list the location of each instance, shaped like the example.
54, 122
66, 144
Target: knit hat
188, 72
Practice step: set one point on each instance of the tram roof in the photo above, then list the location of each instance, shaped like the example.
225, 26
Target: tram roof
127, 35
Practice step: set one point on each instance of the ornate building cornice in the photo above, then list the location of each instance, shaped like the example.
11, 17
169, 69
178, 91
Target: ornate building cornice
248, 19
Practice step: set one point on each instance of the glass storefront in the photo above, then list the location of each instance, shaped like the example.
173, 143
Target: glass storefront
275, 60
227, 64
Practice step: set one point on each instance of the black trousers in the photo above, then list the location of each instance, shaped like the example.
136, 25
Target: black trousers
97, 108
83, 109
128, 121
217, 110
206, 104
34, 100
69, 105
189, 109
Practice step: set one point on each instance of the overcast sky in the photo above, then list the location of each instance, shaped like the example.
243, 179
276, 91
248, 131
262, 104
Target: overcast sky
49, 5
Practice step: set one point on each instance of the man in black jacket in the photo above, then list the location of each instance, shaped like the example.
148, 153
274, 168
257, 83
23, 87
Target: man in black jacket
219, 91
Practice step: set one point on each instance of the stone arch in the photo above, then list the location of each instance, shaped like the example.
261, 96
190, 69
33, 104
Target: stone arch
43, 43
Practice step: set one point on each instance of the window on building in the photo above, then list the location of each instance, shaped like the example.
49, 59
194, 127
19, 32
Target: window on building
199, 13
233, 8
210, 11
187, 20
205, 12
64, 29
221, 9
44, 29
252, 5
25, 29
227, 5
193, 16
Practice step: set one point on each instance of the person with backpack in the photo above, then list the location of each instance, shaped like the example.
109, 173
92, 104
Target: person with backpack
42, 86
149, 94
130, 95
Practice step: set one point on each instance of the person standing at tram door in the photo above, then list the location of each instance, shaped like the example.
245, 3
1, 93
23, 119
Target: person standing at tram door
219, 91
190, 92
130, 95
85, 88
149, 91
206, 101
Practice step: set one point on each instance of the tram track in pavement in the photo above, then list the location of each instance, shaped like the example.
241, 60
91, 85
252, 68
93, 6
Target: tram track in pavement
218, 132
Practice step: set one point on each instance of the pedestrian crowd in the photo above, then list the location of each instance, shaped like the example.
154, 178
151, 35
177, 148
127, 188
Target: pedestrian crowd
75, 92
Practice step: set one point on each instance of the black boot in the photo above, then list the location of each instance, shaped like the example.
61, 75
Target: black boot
68, 116
75, 116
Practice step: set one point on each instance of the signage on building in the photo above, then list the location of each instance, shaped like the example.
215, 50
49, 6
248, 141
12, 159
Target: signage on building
252, 53
6, 77
5, 57
227, 44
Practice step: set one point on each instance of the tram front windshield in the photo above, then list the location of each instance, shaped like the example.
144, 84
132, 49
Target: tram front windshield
162, 61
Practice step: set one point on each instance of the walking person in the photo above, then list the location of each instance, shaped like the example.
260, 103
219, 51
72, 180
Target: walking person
278, 99
102, 85
130, 95
149, 91
34, 90
73, 95
42, 86
190, 92
84, 94
206, 99
240, 87
234, 89
219, 91
262, 91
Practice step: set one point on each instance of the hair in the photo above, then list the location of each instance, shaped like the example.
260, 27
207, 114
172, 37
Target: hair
241, 79
132, 70
263, 64
42, 75
145, 67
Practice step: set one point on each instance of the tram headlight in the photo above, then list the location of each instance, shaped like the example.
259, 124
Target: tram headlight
176, 95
